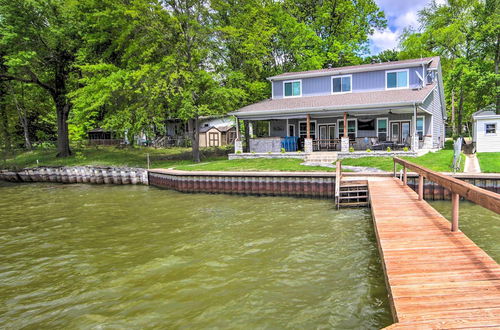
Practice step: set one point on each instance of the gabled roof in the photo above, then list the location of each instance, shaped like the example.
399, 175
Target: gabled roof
205, 129
374, 99
488, 111
432, 62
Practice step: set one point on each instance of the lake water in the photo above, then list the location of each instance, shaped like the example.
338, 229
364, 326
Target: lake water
96, 256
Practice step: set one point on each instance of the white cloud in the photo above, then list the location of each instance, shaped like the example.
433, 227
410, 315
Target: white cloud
385, 39
400, 14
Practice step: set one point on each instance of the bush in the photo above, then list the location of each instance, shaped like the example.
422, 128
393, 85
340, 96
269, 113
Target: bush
283, 150
388, 149
351, 149
238, 152
368, 150
405, 149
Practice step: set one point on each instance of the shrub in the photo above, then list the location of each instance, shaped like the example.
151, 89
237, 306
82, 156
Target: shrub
351, 149
368, 150
283, 150
299, 151
388, 149
253, 152
405, 149
238, 152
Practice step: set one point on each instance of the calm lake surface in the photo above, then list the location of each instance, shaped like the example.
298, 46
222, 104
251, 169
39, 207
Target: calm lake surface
87, 256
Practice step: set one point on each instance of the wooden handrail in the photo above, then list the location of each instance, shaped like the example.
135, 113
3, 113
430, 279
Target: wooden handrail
480, 196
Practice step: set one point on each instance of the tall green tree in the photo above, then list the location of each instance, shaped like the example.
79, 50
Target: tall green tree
40, 40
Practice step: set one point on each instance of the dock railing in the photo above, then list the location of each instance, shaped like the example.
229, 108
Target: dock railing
458, 188
338, 177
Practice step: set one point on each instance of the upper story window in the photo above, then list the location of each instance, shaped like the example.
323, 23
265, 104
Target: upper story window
292, 88
397, 79
342, 84
490, 128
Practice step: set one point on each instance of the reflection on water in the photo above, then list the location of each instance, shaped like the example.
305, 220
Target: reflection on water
133, 256
479, 224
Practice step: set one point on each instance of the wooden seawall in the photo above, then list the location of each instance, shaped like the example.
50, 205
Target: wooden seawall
436, 278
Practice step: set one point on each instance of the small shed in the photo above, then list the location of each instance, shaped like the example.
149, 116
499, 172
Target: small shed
211, 136
485, 130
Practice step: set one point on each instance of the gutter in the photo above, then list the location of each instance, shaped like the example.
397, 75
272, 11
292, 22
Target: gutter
322, 109
340, 71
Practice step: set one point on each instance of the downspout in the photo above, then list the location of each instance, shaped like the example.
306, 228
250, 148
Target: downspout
414, 135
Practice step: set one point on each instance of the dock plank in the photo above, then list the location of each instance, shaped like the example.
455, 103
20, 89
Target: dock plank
436, 278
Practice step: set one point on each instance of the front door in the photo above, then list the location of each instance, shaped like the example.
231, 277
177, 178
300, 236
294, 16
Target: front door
400, 131
213, 139
326, 134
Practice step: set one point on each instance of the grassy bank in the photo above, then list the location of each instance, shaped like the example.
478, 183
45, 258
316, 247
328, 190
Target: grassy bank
259, 164
489, 162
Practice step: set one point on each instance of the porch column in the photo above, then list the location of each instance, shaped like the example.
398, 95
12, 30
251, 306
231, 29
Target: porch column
344, 141
238, 144
247, 135
414, 138
308, 144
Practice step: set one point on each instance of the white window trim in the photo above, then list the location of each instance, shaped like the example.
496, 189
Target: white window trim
386, 126
348, 119
272, 89
292, 81
407, 79
490, 134
423, 126
305, 122
331, 84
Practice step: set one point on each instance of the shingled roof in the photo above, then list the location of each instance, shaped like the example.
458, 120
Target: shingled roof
375, 99
433, 63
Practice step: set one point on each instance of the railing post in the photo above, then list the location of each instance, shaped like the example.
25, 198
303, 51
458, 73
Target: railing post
420, 187
405, 179
455, 198
394, 167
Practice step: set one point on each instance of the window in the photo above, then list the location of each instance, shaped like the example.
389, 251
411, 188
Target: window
366, 124
382, 129
420, 127
292, 88
341, 84
261, 128
490, 128
396, 79
303, 129
213, 139
351, 128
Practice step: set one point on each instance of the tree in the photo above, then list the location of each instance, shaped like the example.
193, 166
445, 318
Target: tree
40, 39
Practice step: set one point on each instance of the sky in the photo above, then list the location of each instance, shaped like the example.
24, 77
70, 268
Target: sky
399, 14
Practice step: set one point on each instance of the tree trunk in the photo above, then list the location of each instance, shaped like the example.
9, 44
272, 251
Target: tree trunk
247, 136
460, 111
4, 119
453, 124
497, 81
62, 110
195, 138
23, 118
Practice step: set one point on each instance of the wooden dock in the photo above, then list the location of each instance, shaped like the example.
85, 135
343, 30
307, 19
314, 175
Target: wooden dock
436, 278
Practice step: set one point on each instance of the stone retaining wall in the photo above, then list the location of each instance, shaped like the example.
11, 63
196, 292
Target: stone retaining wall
275, 155
79, 174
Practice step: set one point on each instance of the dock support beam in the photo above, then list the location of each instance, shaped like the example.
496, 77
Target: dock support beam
420, 187
405, 178
455, 198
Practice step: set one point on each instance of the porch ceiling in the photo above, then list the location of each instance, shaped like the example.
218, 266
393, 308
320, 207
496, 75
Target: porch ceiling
339, 113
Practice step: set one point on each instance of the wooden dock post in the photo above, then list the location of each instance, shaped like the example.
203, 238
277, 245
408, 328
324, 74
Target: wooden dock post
455, 199
420, 187
405, 178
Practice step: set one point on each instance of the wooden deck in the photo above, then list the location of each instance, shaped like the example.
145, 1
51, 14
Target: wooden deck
436, 278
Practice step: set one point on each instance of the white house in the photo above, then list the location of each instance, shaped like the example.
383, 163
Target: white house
485, 130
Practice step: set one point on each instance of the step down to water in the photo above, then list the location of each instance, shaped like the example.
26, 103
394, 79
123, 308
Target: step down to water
353, 191
353, 204
353, 197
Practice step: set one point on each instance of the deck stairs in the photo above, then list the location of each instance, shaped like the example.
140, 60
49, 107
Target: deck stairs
353, 193
321, 157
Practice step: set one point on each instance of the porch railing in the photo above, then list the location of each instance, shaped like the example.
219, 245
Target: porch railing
325, 144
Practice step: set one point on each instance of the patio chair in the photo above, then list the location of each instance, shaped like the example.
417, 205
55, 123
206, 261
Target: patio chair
375, 144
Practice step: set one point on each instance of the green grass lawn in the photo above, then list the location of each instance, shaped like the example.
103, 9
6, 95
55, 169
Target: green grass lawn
489, 162
440, 161
108, 156
259, 164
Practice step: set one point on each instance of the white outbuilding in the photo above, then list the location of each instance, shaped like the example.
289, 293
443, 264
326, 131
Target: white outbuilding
485, 130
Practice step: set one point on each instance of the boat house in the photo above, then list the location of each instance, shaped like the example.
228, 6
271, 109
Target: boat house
397, 105
485, 134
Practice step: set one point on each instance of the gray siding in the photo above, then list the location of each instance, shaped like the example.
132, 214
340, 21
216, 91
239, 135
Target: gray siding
433, 105
361, 82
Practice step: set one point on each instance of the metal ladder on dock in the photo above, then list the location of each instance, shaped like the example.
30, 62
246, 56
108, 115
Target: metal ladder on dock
351, 192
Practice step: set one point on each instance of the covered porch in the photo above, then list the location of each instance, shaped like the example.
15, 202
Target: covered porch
398, 128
